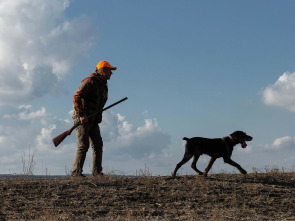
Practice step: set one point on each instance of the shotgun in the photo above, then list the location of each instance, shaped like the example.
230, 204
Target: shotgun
58, 139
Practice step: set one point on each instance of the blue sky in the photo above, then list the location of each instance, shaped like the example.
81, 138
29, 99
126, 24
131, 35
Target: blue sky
193, 68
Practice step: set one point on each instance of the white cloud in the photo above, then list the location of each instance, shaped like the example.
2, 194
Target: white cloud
282, 143
27, 114
44, 137
122, 139
281, 93
38, 47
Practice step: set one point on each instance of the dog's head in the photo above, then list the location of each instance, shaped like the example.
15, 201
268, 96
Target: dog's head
241, 137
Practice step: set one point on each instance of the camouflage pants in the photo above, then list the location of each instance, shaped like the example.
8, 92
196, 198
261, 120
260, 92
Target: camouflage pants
88, 133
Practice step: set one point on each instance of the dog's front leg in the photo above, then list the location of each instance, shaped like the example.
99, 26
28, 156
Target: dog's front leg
209, 166
233, 163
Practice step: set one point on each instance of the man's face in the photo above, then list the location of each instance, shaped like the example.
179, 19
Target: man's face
106, 73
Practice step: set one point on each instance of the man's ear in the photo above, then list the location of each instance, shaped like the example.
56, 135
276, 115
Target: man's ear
99, 71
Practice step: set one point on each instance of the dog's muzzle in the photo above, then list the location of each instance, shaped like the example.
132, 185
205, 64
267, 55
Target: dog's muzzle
243, 143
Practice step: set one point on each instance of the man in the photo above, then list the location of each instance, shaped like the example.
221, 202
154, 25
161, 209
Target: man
90, 97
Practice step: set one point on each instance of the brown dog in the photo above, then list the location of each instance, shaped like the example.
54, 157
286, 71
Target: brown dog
218, 147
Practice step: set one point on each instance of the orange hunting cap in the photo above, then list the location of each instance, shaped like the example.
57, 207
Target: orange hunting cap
102, 64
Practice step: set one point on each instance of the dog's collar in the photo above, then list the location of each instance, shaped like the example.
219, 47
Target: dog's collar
232, 140
229, 147
229, 141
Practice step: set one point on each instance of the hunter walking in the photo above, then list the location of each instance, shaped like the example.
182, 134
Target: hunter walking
90, 97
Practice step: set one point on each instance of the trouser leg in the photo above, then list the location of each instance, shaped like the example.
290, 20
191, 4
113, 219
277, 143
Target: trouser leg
82, 148
97, 147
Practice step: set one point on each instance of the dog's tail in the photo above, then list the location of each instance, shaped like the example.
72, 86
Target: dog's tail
185, 138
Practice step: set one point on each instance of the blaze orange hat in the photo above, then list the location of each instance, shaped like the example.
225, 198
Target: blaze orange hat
102, 64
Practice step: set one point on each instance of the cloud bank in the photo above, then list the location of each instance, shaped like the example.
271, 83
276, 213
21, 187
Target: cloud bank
128, 148
27, 129
38, 47
281, 93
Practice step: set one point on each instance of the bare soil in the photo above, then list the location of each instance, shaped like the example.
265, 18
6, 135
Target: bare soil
256, 196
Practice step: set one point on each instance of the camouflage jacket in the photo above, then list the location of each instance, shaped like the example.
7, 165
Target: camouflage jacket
91, 96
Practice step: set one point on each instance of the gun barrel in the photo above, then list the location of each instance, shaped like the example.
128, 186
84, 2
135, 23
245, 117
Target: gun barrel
115, 103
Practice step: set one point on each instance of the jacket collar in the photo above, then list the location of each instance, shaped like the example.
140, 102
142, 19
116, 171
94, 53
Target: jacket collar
97, 76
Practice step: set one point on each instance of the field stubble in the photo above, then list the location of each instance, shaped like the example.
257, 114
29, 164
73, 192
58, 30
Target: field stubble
256, 196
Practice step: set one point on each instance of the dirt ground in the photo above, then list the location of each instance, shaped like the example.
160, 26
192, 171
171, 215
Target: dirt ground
256, 196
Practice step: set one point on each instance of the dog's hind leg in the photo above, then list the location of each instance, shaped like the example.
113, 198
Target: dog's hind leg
233, 163
194, 164
187, 156
209, 166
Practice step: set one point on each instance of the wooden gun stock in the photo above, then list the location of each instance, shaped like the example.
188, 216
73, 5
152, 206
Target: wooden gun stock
58, 139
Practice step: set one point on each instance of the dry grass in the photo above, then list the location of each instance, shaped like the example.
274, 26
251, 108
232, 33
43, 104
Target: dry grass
256, 196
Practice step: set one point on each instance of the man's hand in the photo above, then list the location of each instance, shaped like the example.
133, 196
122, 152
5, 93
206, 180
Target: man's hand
84, 119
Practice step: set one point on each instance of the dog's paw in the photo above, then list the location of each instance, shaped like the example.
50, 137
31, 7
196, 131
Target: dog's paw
243, 172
